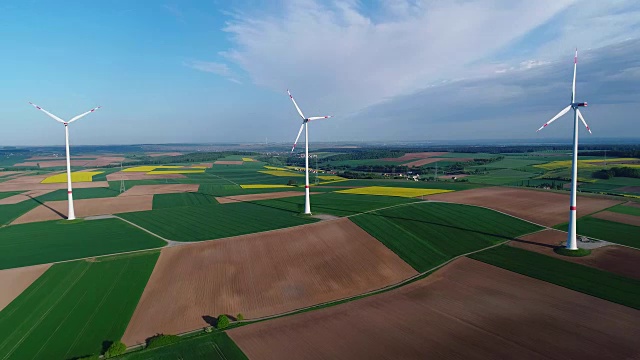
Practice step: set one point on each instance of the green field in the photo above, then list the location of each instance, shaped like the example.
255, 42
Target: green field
8, 213
216, 346
508, 163
73, 307
622, 209
50, 241
607, 230
588, 280
206, 222
161, 201
335, 203
448, 185
500, 177
428, 234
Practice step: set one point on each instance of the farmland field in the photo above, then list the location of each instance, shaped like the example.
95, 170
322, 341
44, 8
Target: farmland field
76, 176
206, 222
217, 346
8, 213
336, 204
161, 201
393, 191
427, 234
45, 242
625, 209
500, 177
448, 185
466, 310
607, 230
73, 307
588, 280
262, 274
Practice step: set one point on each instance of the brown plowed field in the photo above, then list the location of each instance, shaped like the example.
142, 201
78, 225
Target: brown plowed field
466, 310
432, 160
141, 176
33, 183
228, 162
620, 260
24, 196
52, 163
159, 189
264, 196
415, 156
14, 281
261, 274
545, 208
104, 161
207, 165
7, 173
617, 217
632, 204
633, 189
55, 210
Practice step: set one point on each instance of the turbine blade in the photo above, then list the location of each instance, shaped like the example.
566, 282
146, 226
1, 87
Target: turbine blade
319, 117
573, 87
584, 122
48, 113
296, 105
84, 114
564, 111
297, 137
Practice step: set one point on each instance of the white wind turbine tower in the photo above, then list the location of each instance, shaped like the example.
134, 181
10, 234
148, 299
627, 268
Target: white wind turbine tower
571, 239
305, 125
71, 214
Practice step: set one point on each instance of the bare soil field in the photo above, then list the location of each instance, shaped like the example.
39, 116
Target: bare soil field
207, 165
264, 196
51, 157
458, 176
632, 204
261, 274
620, 260
14, 281
229, 162
24, 196
56, 210
432, 160
8, 173
52, 163
159, 189
633, 189
141, 176
165, 154
466, 310
617, 217
105, 160
545, 208
415, 156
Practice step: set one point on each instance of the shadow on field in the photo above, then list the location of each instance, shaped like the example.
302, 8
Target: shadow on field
535, 243
63, 216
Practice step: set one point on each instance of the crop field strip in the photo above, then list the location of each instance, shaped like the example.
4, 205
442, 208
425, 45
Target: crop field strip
336, 204
428, 234
73, 307
161, 201
52, 241
207, 222
614, 232
393, 191
216, 346
602, 284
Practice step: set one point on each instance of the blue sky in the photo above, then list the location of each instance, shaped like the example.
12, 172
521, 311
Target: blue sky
214, 71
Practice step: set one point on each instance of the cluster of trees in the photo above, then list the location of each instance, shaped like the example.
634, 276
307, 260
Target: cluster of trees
617, 172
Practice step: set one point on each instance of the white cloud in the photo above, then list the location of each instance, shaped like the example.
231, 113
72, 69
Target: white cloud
345, 58
214, 68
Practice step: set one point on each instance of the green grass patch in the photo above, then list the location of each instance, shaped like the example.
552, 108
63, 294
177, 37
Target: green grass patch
78, 194
427, 234
74, 307
8, 213
500, 177
561, 250
206, 222
162, 201
215, 346
623, 209
606, 230
335, 203
588, 280
49, 241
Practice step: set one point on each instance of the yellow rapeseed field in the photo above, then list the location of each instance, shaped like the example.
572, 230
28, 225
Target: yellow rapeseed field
247, 159
275, 168
150, 168
331, 178
280, 173
586, 164
185, 171
264, 186
79, 176
393, 191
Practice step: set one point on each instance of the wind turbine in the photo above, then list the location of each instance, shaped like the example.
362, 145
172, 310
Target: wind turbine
305, 125
571, 239
71, 214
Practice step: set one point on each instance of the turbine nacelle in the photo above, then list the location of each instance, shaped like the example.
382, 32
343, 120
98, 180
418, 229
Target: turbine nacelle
575, 105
